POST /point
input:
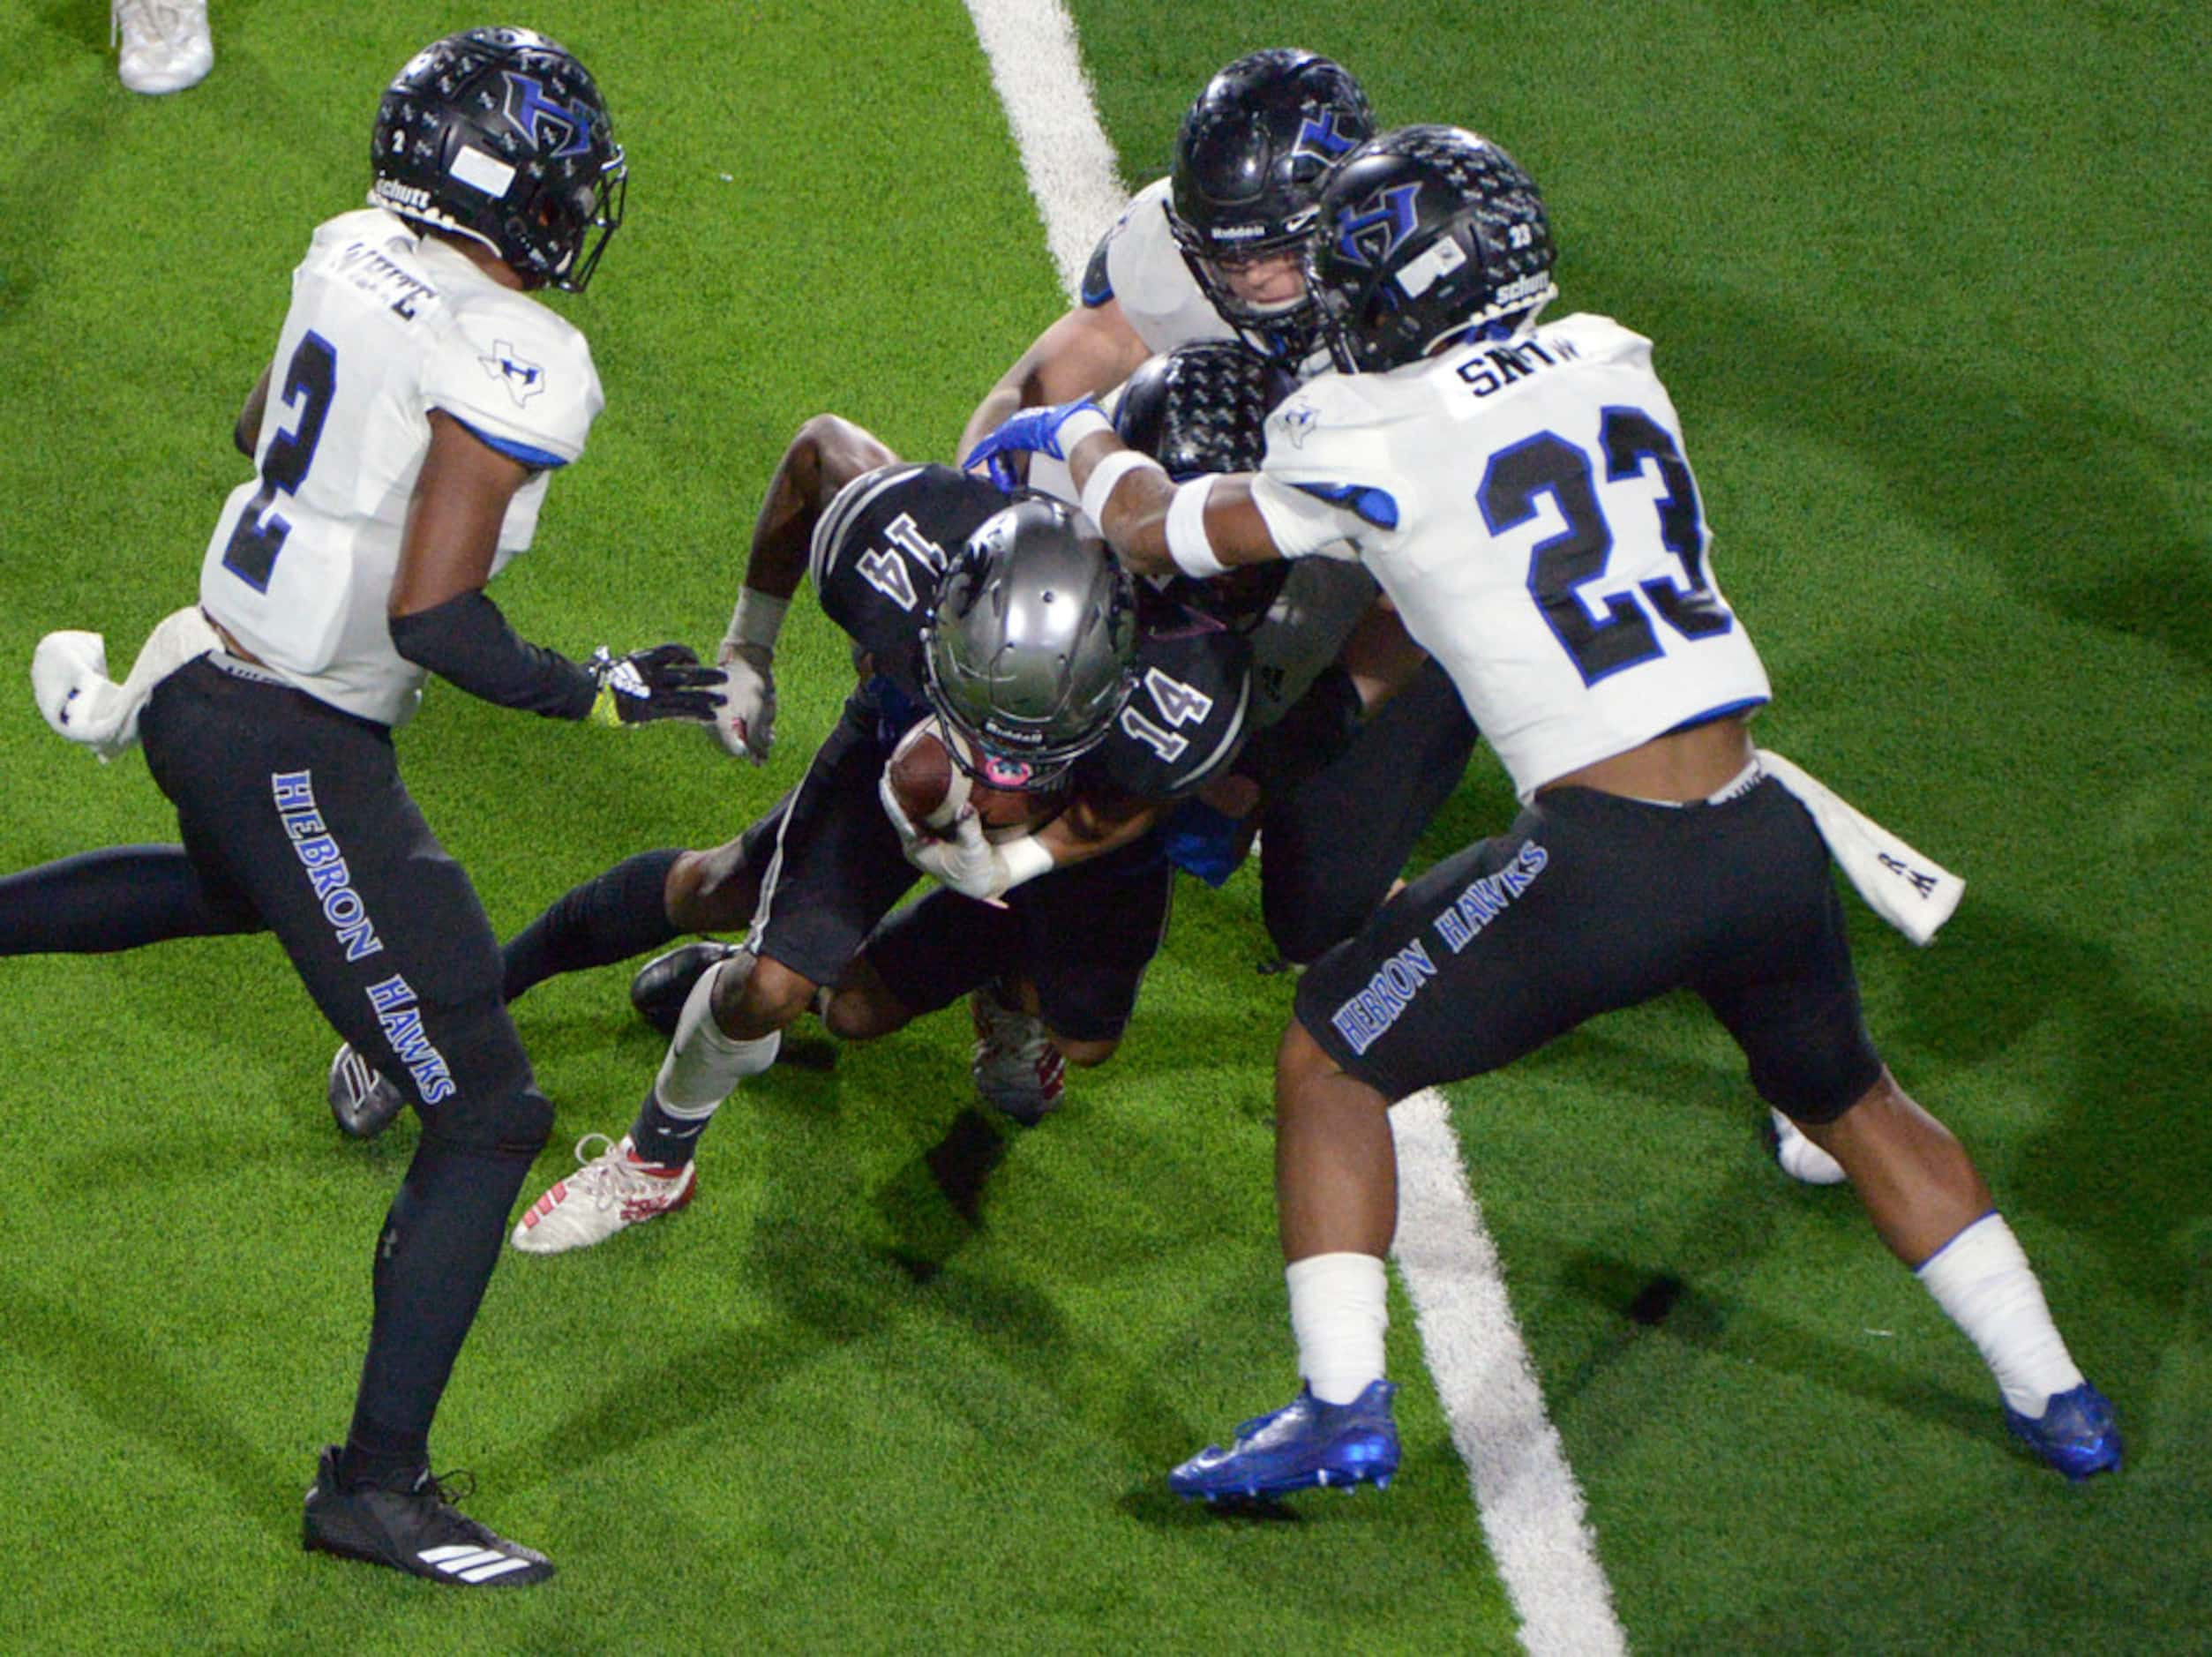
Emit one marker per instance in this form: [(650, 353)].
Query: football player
[(1213, 252), (418, 402), (1023, 639), (1521, 492)]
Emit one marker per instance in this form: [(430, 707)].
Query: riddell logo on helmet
[(1239, 232)]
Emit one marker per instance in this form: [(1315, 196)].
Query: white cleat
[(166, 43), (611, 1190), (1016, 1067), (1801, 1160)]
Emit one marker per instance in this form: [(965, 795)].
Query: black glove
[(666, 682)]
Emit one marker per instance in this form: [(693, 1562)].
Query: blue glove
[(1032, 431)]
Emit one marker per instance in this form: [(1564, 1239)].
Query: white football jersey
[(1144, 270), (1528, 507), (385, 326)]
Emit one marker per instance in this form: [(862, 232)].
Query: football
[(933, 791), (930, 789)]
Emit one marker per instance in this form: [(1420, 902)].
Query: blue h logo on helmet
[(557, 130), (1320, 138), (1389, 211)]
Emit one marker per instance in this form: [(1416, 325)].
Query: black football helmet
[(501, 136), (1202, 408), (1427, 233), (1249, 158), (1031, 645)]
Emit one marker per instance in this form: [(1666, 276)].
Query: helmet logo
[(556, 130), (1370, 236), (1320, 140)]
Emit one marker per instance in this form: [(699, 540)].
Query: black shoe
[(362, 1099), (414, 1527), (664, 984)]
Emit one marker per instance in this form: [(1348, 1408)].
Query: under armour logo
[(1320, 140), (557, 130), (523, 379), (1370, 236)]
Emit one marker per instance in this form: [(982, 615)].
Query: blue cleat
[(2076, 1433), (1304, 1443)]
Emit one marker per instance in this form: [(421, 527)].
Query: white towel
[(1914, 894), (69, 677)]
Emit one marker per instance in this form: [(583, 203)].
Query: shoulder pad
[(516, 374)]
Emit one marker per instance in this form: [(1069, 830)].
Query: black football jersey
[(1185, 718), (880, 551)]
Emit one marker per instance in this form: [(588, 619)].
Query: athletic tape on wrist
[(1023, 858), (1084, 423), (1187, 542), (757, 619), (1107, 474)]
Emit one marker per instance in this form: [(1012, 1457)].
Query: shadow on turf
[(141, 1401)]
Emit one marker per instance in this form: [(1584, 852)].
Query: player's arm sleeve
[(1318, 520), (520, 379)]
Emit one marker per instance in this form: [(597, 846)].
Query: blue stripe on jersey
[(1097, 286), (1710, 714), (1375, 505), (543, 459)]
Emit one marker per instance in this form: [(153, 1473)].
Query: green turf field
[(1927, 285)]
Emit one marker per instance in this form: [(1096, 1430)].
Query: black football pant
[(295, 812)]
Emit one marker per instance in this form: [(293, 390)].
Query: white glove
[(747, 724), (966, 861)]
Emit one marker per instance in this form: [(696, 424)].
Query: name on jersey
[(383, 278), (327, 875), (1496, 366)]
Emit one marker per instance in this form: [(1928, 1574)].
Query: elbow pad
[(468, 642)]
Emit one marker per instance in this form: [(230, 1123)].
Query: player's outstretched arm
[(825, 455), (1085, 353), (442, 620)]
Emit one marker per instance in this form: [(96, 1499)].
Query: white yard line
[(1531, 1506)]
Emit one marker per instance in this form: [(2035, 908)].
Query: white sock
[(1983, 1279), (1339, 1307), (703, 1066)]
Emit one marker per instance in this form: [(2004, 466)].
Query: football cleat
[(361, 1098), (610, 1191), (166, 44), (1016, 1069), (1306, 1442), (1800, 1158), (664, 984), (412, 1526), (2077, 1433)]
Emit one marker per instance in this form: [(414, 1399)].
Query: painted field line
[(1530, 1507)]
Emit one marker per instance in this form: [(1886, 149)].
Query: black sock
[(119, 898), (434, 1256), (660, 1137), (610, 918)]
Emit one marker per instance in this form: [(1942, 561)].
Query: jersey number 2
[(1546, 464), (312, 377)]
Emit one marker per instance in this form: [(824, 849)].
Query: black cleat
[(415, 1528), (664, 984), (361, 1099)]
